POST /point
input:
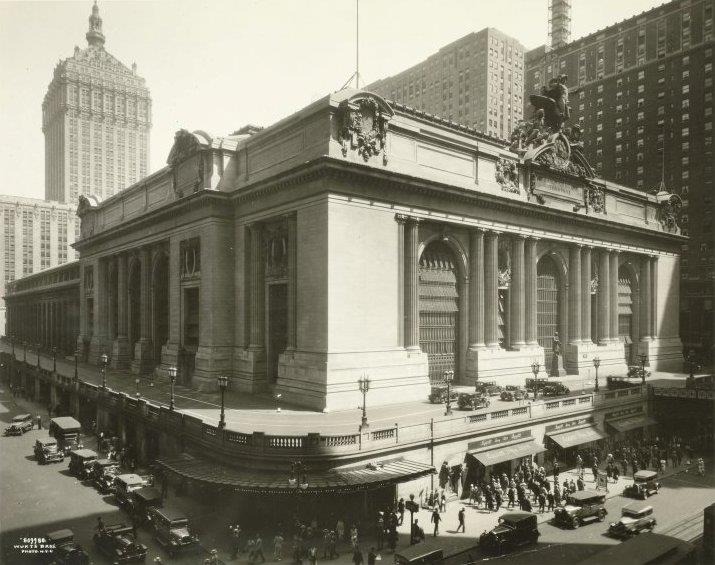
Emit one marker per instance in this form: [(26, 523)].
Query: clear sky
[(217, 65)]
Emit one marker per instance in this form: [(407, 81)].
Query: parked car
[(66, 551), (637, 372), (118, 544), (635, 518), (103, 473), (472, 401), (125, 484), (487, 388), (46, 451), (512, 393), (172, 531), (67, 431), (644, 484), (438, 395), (532, 384), (81, 461), (581, 506), (141, 501), (616, 382), (554, 389), (514, 529), (19, 425)]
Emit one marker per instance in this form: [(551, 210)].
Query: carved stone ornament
[(594, 284), (275, 246), (669, 211), (185, 145), (557, 155), (190, 255), (504, 277), (362, 126), (89, 281), (596, 199), (507, 175)]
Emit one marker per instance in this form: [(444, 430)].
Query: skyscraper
[(477, 81), (96, 117), (642, 90)]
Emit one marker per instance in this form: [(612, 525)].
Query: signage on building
[(562, 426), (558, 189), (498, 440), (624, 412), (668, 392)]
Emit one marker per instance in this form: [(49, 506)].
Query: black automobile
[(19, 425), (66, 551), (472, 401), (172, 531), (487, 388), (554, 389), (581, 507), (47, 451), (644, 484), (118, 544), (616, 382), (514, 529), (141, 501), (635, 518), (535, 384), (81, 461), (103, 473), (512, 393), (438, 395)]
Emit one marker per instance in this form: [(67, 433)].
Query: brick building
[(642, 90), (477, 80)]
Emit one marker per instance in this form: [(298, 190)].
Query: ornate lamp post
[(596, 365), (136, 382), (222, 385), (535, 367), (54, 359), (642, 358), (76, 364), (277, 397), (364, 384), (448, 378), (172, 380), (103, 360)]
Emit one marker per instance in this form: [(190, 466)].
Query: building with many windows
[(642, 92), (96, 117), (477, 81)]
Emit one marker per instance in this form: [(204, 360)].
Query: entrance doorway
[(439, 309), (547, 306), (277, 327)]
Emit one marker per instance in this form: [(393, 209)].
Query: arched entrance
[(626, 312), (134, 310), (547, 305), (439, 309), (160, 304)]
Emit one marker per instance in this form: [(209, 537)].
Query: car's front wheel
[(576, 523), (601, 515)]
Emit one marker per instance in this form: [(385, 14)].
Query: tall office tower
[(642, 90), (559, 22), (477, 81), (96, 117)]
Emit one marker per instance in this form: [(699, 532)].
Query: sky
[(217, 65)]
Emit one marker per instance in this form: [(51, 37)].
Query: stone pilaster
[(98, 344), (491, 290), (586, 294), (476, 289), (517, 311), (653, 296), (575, 294), (412, 298), (257, 305), (120, 345), (614, 295), (142, 361), (530, 276), (291, 341), (604, 297), (645, 303)]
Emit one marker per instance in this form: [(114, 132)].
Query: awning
[(364, 477), (577, 437), (632, 423), (507, 453)]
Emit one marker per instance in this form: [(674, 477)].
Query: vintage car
[(172, 531), (141, 501), (534, 384), (514, 529), (554, 389), (125, 484), (487, 388), (581, 506), (103, 473), (635, 518), (616, 382), (637, 372), (67, 431), (81, 461), (472, 401), (512, 393), (19, 425), (644, 484), (46, 451), (66, 551), (438, 394), (118, 544)]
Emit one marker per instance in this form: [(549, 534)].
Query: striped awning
[(350, 479), (632, 423), (577, 437), (496, 455)]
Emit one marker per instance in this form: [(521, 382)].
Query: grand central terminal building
[(358, 237)]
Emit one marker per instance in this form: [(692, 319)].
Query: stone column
[(604, 297), (120, 345), (79, 338), (142, 348), (491, 290), (401, 219), (412, 292), (111, 299), (653, 296), (644, 296), (476, 289), (99, 337), (575, 294), (586, 294), (257, 304), (614, 296), (531, 297), (516, 294), (291, 340)]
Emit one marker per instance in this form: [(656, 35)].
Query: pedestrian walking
[(357, 556), (580, 485), (333, 544), (100, 524), (443, 503), (594, 470), (371, 556), (277, 547), (550, 500), (460, 517), (313, 555), (436, 519), (542, 502), (380, 529), (401, 510), (340, 529)]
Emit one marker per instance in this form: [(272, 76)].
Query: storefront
[(565, 439), (629, 423), (501, 454)]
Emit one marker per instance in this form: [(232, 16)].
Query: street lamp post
[(54, 359), (172, 380), (596, 365), (413, 507), (643, 358), (364, 384), (277, 397), (448, 378), (222, 385), (136, 382), (535, 367), (103, 360)]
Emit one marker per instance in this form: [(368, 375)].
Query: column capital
[(401, 218), (517, 236), (492, 233), (534, 238), (614, 251), (577, 244)]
